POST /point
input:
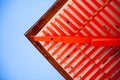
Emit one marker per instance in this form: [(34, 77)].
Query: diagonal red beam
[(101, 61), (80, 62), (117, 75), (77, 56)]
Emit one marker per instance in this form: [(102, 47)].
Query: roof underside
[(80, 18)]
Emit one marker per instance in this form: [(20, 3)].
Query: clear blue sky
[(19, 59)]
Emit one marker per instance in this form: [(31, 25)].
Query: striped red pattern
[(86, 18)]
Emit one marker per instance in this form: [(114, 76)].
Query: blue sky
[(19, 59)]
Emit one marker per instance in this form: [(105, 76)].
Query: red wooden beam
[(97, 41)]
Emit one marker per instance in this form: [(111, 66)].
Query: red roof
[(80, 38)]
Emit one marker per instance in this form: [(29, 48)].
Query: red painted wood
[(116, 76), (77, 56), (101, 61), (106, 42), (80, 62), (81, 8)]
